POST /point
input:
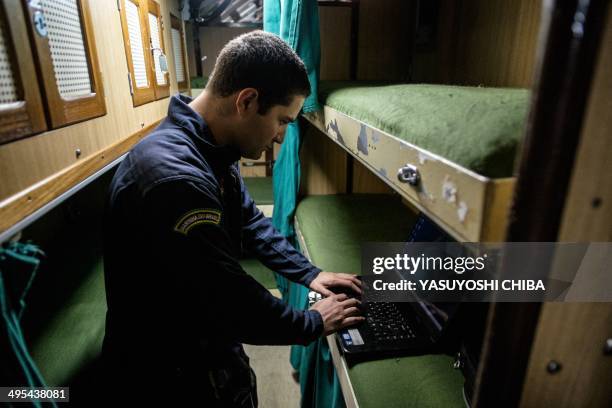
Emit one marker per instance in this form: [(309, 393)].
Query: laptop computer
[(393, 328)]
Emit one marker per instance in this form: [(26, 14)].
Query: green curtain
[(297, 22)]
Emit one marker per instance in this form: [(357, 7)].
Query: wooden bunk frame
[(469, 206)]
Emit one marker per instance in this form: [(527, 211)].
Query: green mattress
[(259, 272), (477, 128), (260, 189), (71, 341), (333, 228)]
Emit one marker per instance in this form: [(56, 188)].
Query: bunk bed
[(328, 234), (448, 150)]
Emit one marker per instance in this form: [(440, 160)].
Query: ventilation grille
[(179, 64), (67, 47), (136, 49)]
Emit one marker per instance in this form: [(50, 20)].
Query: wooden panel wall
[(31, 160), (212, 40), (383, 46), (494, 42), (364, 181), (190, 49), (574, 334), (385, 30), (588, 212), (334, 25), (323, 164)]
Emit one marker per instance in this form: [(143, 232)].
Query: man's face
[(260, 132)]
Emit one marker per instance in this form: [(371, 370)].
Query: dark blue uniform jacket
[(178, 219)]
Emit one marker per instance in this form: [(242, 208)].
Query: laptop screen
[(435, 316)]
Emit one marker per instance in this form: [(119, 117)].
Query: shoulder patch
[(197, 217)]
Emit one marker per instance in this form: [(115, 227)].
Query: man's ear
[(246, 101)]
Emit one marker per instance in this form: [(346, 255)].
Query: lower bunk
[(330, 230)]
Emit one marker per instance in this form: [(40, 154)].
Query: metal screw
[(596, 203), (608, 347), (553, 367), (40, 24), (77, 153), (141, 124)]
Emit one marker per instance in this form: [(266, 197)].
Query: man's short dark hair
[(262, 61)]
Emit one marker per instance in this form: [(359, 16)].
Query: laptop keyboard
[(387, 323)]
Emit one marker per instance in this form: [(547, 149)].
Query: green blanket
[(477, 128)]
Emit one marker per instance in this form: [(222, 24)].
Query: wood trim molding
[(21, 205)]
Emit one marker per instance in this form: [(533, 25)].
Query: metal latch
[(409, 174), (459, 363)]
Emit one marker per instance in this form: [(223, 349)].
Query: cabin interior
[(489, 119)]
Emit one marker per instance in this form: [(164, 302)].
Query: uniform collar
[(194, 125)]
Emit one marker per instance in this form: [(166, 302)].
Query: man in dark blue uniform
[(179, 217)]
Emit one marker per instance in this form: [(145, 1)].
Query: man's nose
[(280, 137)]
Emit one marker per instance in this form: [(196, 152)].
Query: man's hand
[(338, 312), (326, 281)]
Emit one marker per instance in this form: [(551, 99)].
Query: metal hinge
[(119, 5), (130, 82)]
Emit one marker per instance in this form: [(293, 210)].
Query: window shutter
[(21, 109), (178, 51), (66, 53), (156, 35), (136, 42)]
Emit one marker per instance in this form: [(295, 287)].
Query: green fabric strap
[(18, 265)]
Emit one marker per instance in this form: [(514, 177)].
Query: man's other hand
[(327, 282), (338, 312)]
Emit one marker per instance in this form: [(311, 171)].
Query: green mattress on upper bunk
[(477, 128)]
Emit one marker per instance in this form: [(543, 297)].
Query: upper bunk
[(448, 150), (438, 91)]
